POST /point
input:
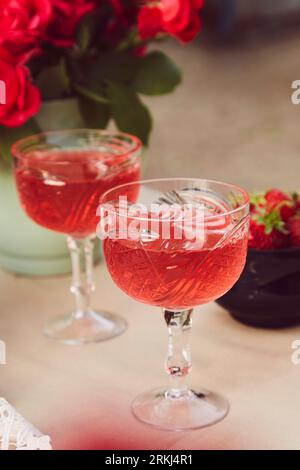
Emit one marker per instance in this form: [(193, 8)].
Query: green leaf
[(118, 67), (53, 81), (91, 76), (258, 199), (84, 32), (94, 95), (50, 57), (8, 136), (95, 115), (157, 75), (90, 29), (129, 113), (87, 29)]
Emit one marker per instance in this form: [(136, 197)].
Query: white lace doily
[(17, 434)]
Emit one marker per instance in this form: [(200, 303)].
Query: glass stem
[(81, 250), (178, 361)]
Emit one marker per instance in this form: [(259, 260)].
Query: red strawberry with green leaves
[(296, 199), (276, 199), (257, 200), (294, 229), (267, 230)]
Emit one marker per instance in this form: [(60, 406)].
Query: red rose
[(192, 29), (120, 18), (179, 18), (117, 6), (22, 24), (149, 22), (22, 98), (66, 17), (198, 4)]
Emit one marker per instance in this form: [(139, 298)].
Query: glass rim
[(18, 152), (158, 180)]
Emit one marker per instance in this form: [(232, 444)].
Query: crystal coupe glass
[(60, 177), (182, 243)]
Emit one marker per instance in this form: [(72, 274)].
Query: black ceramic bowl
[(268, 292)]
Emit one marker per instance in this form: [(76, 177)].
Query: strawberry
[(276, 199), (294, 229), (257, 200), (296, 199), (267, 231)]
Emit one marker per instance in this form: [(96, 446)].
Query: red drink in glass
[(163, 253), (169, 275), (60, 189), (60, 177)]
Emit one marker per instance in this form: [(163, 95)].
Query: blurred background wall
[(233, 118)]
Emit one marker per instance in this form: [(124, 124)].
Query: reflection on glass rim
[(242, 199)]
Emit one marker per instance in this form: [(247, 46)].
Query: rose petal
[(149, 22)]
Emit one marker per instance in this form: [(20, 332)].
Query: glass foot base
[(191, 410), (85, 328)]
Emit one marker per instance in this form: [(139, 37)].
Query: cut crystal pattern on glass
[(180, 257), (60, 177)]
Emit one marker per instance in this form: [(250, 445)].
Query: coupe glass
[(182, 243), (60, 177)]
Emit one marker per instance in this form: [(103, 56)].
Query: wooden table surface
[(81, 396)]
